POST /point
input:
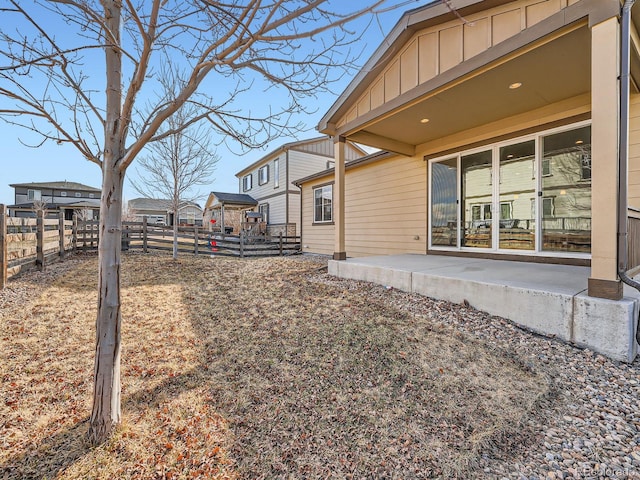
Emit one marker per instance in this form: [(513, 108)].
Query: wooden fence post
[(241, 244), (61, 233), (3, 246), (196, 239), (280, 243), (40, 240), (144, 234), (74, 232), (84, 234)]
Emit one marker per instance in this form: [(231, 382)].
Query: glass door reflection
[(477, 192), (444, 203), (517, 196)]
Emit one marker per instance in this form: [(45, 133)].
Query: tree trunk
[(105, 414), (106, 394), (175, 234)]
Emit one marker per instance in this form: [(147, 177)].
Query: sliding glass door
[(531, 195), (444, 203)]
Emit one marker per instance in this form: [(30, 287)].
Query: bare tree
[(39, 205), (85, 72), (176, 164)]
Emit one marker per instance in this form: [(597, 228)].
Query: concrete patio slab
[(548, 299)]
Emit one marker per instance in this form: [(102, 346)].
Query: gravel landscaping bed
[(590, 431)]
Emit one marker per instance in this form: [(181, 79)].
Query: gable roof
[(438, 13), (371, 158), (297, 145), (63, 185), (235, 198)]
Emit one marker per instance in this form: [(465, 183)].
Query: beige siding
[(277, 208), (315, 238), (294, 211), (381, 217), (261, 191), (634, 151), (303, 164), (442, 47)]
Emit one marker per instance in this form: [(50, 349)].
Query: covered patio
[(545, 298)]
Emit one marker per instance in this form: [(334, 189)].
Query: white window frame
[(78, 195), (247, 182), (263, 175), (538, 202), (92, 195), (322, 188), (276, 173), (63, 194)]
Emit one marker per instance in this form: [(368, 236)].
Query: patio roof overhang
[(552, 61)]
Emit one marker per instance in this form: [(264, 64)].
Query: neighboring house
[(158, 211), (228, 211), (67, 197), (270, 180), (502, 124)]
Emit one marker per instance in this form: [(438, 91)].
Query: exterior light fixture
[(515, 85), (424, 120)]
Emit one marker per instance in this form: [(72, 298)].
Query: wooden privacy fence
[(29, 242), (145, 236)]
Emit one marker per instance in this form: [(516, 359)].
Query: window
[(34, 195), (247, 183), (78, 194), (547, 207), (540, 199), (92, 195), (263, 208), (263, 175), (276, 173), (322, 204), (63, 194)]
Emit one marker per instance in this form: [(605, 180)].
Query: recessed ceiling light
[(510, 155), (424, 120), (515, 85), (579, 142)]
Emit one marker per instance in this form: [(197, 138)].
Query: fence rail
[(32, 242), (36, 242)]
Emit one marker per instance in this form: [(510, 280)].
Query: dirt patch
[(253, 369)]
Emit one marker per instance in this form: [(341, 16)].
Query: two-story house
[(69, 197), (270, 179)]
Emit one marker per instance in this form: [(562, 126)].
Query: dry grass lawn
[(249, 369)]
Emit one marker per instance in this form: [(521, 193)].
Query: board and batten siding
[(437, 49), (385, 210), (634, 151)]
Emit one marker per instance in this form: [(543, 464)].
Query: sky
[(20, 162)]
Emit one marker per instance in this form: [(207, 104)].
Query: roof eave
[(410, 22)]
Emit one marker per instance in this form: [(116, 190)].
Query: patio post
[(604, 281), (339, 252)]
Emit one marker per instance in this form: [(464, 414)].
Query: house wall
[(53, 195), (385, 210), (437, 49), (395, 190)]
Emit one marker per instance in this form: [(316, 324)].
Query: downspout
[(623, 150)]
